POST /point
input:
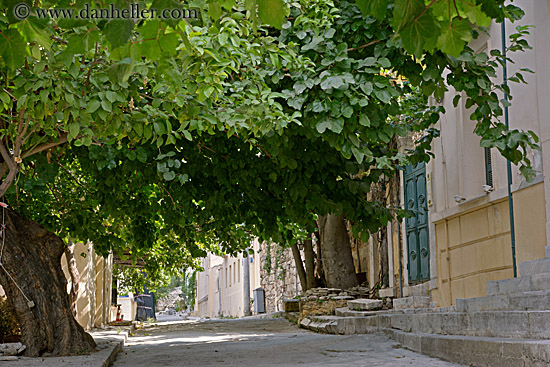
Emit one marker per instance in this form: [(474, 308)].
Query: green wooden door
[(418, 243)]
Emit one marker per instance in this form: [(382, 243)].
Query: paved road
[(262, 342)]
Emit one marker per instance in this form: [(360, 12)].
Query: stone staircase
[(508, 327)]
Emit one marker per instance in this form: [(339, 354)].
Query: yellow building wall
[(474, 246), (93, 303)]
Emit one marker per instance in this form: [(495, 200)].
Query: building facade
[(461, 236), (220, 286)]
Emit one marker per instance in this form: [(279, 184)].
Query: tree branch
[(40, 148), (12, 169), (363, 46)]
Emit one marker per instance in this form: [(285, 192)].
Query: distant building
[(220, 287)]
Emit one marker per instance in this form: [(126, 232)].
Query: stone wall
[(278, 275)]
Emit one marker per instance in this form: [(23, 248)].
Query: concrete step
[(477, 351), (365, 304), (341, 325), (503, 324), (347, 312), (520, 301), (534, 267), (411, 302), (536, 282)]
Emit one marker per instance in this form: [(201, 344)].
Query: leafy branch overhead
[(425, 26), (159, 137)]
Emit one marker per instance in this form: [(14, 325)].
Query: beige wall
[(94, 293), (471, 239), (474, 246), (222, 280)]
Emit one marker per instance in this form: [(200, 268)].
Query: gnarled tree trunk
[(310, 264), (299, 267), (32, 257), (75, 276), (335, 246)]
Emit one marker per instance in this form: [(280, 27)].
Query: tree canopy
[(167, 137)]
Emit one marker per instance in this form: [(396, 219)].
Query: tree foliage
[(166, 138)]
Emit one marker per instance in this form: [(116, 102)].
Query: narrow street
[(261, 342)]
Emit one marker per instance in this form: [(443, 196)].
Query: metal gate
[(418, 243)]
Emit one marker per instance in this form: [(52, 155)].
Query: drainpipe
[(246, 283), (400, 243), (508, 164)]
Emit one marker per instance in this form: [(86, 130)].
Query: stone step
[(341, 325), (411, 302), (536, 282), (503, 324), (477, 351), (534, 267), (365, 304), (520, 301), (347, 312)]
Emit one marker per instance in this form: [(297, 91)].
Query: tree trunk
[(319, 272), (299, 267), (75, 276), (32, 257), (310, 264), (335, 246)]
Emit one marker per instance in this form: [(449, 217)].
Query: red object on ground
[(118, 318)]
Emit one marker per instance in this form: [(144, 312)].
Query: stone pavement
[(261, 342), (109, 343)]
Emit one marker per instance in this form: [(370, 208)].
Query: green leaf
[(271, 12), (405, 11), (336, 125), (111, 96), (376, 8), (364, 120), (106, 106), (477, 16), (187, 135), (93, 106), (74, 129), (13, 48), (169, 176), (118, 31), (34, 31), (454, 37), (420, 34), (169, 42)]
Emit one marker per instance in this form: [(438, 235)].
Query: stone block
[(536, 300), (401, 322), (509, 324), (490, 303), (387, 292), (547, 251), (539, 324), (365, 304), (477, 324), (492, 287), (540, 282), (291, 305), (534, 267), (515, 285), (411, 302)]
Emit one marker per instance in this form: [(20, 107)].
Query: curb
[(112, 356)]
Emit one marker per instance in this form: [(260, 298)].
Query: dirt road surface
[(261, 342)]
